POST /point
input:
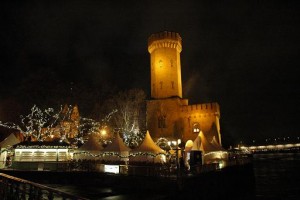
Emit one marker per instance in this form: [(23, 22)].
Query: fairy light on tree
[(129, 121), (163, 143), (48, 125), (32, 124), (133, 138), (90, 126), (41, 124)]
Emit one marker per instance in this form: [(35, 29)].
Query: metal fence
[(12, 188), (144, 169)]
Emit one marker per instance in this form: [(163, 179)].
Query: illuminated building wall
[(73, 123), (168, 114), (69, 122)]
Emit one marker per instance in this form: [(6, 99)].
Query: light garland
[(33, 123), (41, 124), (118, 154), (3, 150), (41, 147)]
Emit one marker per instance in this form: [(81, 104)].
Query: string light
[(42, 147), (42, 124), (117, 154)]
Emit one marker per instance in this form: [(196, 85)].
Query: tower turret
[(164, 49)]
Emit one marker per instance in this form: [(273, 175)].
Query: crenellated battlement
[(165, 39), (206, 107)]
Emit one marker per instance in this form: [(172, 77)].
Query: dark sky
[(241, 54)]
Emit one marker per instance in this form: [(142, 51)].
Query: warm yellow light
[(179, 141), (189, 144), (103, 132), (290, 145), (163, 158), (221, 165)]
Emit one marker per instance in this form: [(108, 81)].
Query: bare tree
[(32, 124), (130, 118)]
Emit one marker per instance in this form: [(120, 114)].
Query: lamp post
[(178, 163), (175, 145), (177, 158), (103, 132)]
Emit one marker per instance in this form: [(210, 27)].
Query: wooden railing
[(19, 189)]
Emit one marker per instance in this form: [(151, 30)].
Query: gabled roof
[(148, 145), (117, 145)]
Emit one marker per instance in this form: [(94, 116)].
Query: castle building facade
[(169, 115), (66, 126)]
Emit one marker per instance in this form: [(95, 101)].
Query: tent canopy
[(117, 145), (148, 145), (216, 145), (91, 145), (202, 144), (9, 141), (197, 144), (189, 145)]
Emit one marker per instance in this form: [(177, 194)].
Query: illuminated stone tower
[(168, 114), (164, 49)]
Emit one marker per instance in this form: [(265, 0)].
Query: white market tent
[(202, 144), (148, 151), (197, 144), (37, 151), (9, 141), (117, 150), (89, 150), (211, 151), (216, 144), (220, 154), (189, 145)]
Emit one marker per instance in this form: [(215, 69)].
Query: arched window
[(161, 84), (196, 127)]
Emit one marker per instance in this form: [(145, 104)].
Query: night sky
[(241, 54)]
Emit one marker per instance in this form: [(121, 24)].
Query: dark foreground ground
[(236, 182)]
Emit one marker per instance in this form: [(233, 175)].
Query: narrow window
[(162, 121), (172, 83), (160, 63)]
